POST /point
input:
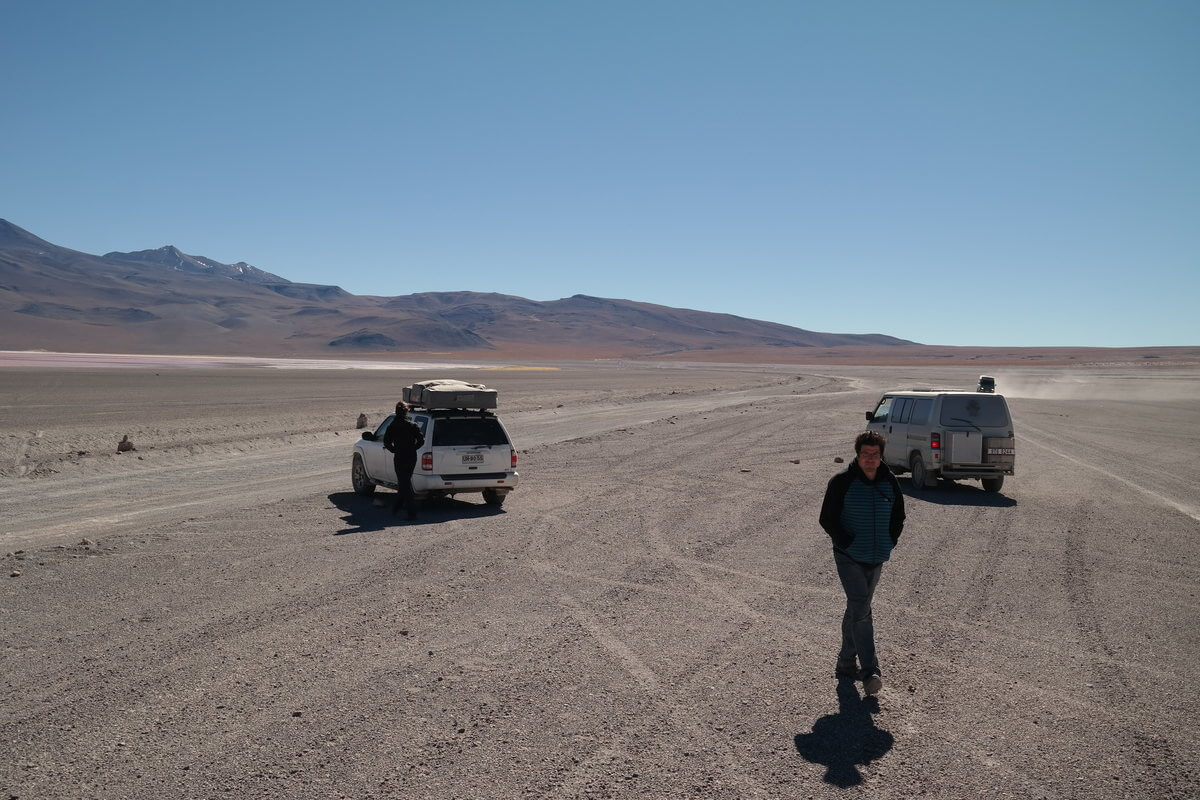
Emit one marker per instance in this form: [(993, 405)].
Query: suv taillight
[(935, 441), (514, 458), (427, 462)]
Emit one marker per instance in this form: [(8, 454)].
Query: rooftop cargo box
[(449, 394)]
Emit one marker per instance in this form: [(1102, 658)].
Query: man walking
[(404, 438), (863, 514)]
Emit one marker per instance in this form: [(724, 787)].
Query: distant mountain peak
[(172, 257), (14, 235)]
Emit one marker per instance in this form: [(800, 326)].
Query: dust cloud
[(1134, 386)]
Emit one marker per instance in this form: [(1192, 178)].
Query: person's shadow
[(367, 514), (847, 739), (361, 513)]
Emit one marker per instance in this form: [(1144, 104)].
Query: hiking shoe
[(846, 670), (872, 683)]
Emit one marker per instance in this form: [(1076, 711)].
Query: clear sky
[(1017, 172)]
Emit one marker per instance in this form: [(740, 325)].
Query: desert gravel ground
[(653, 613)]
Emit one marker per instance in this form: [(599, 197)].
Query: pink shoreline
[(36, 358)]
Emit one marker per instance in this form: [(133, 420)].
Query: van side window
[(383, 426), (423, 424), (902, 409), (920, 413), (883, 409)]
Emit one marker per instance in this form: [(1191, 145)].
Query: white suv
[(464, 452)]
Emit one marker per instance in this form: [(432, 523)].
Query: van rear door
[(977, 423)]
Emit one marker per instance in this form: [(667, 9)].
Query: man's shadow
[(847, 739)]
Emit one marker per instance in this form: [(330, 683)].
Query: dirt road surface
[(653, 613)]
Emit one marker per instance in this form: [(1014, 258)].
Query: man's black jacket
[(878, 519), (403, 437)]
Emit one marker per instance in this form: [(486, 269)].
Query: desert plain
[(653, 613)]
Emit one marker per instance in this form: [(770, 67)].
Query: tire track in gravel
[(700, 588), (1011, 640), (1182, 507), (112, 521), (981, 581), (697, 673), (210, 757), (929, 586), (23, 451), (1112, 678), (643, 529), (983, 574), (106, 504), (667, 699), (1078, 581), (266, 614), (366, 685)]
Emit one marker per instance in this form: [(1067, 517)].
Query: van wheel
[(920, 478), (358, 477), (494, 498), (992, 484)]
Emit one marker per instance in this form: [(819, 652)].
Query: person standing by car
[(404, 438), (863, 513)]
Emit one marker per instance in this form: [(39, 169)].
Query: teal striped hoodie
[(864, 518)]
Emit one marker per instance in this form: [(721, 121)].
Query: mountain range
[(166, 301)]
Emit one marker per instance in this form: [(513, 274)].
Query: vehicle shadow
[(949, 493), (846, 740), (374, 513)]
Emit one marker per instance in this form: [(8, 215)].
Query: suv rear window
[(456, 431), (982, 410)]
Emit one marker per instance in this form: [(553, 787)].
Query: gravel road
[(653, 613)]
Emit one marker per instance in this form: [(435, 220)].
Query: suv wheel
[(358, 476), (920, 477), (493, 497), (992, 484)]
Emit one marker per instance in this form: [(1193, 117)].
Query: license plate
[(473, 458), (1002, 451)]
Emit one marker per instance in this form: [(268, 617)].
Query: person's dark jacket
[(404, 438), (864, 518)]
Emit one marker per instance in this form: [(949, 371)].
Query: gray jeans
[(858, 629)]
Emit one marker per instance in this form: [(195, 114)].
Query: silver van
[(951, 435)]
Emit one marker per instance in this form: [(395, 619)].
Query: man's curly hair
[(870, 439)]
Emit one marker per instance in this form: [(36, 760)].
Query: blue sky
[(982, 173)]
